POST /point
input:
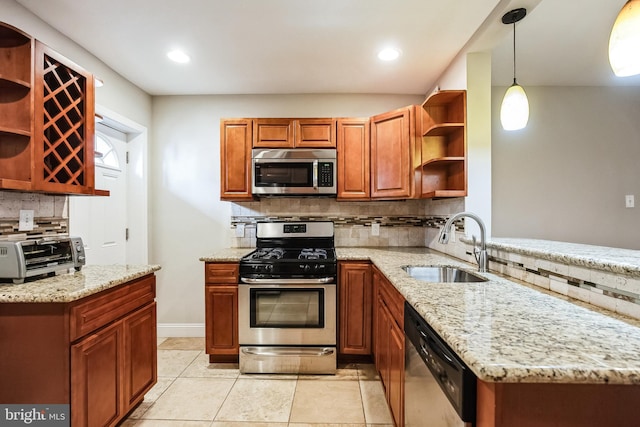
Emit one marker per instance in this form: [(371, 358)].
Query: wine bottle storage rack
[(64, 121)]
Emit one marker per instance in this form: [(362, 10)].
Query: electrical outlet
[(629, 200), (375, 229), (26, 220), (240, 230)]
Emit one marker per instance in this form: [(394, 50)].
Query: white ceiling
[(330, 46)]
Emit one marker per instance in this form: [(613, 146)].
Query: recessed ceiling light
[(389, 54), (178, 56)]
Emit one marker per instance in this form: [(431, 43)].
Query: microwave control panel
[(325, 174)]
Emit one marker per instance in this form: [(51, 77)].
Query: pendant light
[(514, 112), (624, 43)]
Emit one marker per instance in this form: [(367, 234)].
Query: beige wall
[(118, 94), (564, 177), (188, 218)]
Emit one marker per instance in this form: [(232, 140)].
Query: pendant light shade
[(514, 112), (624, 43)]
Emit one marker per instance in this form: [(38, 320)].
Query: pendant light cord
[(514, 53)]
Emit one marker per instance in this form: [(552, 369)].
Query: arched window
[(105, 152)]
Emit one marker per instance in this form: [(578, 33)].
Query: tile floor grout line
[(235, 381)]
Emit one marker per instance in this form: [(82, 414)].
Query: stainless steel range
[(287, 300)]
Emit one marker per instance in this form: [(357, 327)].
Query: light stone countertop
[(507, 331), (616, 260), (69, 287)]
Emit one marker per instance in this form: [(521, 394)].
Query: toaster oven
[(23, 259)]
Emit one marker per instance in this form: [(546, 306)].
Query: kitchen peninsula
[(541, 358), (85, 339)]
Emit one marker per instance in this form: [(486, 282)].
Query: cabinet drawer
[(92, 314), (221, 273), (393, 299)]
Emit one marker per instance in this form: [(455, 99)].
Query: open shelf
[(440, 161), (444, 149), (8, 83), (443, 129)]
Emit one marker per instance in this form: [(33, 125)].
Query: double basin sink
[(442, 274)]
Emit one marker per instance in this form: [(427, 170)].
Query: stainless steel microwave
[(295, 171)]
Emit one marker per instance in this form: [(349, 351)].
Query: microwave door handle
[(315, 174)]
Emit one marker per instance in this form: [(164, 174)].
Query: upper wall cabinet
[(235, 159), (47, 119), (353, 159), (290, 133), (16, 100), (444, 148), (395, 154)]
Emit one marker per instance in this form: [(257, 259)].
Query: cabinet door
[(395, 388), (221, 317), (96, 386), (315, 133), (353, 159), (64, 122), (382, 341), (273, 133), (140, 354), (391, 154), (355, 299), (235, 159)]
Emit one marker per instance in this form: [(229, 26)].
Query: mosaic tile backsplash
[(402, 223), (51, 214)]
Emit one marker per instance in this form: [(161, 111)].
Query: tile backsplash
[(51, 213), (402, 223)]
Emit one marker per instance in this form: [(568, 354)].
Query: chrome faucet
[(480, 254)]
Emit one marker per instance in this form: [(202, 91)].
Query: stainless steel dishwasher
[(439, 389)]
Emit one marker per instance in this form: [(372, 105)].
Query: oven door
[(296, 314)]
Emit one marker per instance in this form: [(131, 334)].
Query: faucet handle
[(443, 237)]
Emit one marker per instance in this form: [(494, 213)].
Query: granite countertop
[(69, 287), (505, 330), (616, 260)]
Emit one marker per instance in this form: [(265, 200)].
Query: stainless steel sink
[(442, 274)]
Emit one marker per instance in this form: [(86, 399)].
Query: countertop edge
[(66, 288)]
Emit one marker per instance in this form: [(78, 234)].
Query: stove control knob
[(269, 268), (306, 268)]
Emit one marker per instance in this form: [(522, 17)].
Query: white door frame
[(137, 245)]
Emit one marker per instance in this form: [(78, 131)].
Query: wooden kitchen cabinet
[(315, 133), (545, 404), (16, 103), (97, 354), (355, 299), (46, 119), (273, 133), (221, 311), (298, 133), (235, 159), (444, 148), (389, 343), (353, 152), (395, 154)]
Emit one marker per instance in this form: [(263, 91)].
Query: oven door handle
[(288, 351), (318, 281)]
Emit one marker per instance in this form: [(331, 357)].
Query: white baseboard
[(191, 330)]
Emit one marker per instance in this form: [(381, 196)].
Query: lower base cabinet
[(389, 343), (221, 312), (113, 368), (355, 305), (97, 354)]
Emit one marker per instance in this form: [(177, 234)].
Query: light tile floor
[(191, 392)]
